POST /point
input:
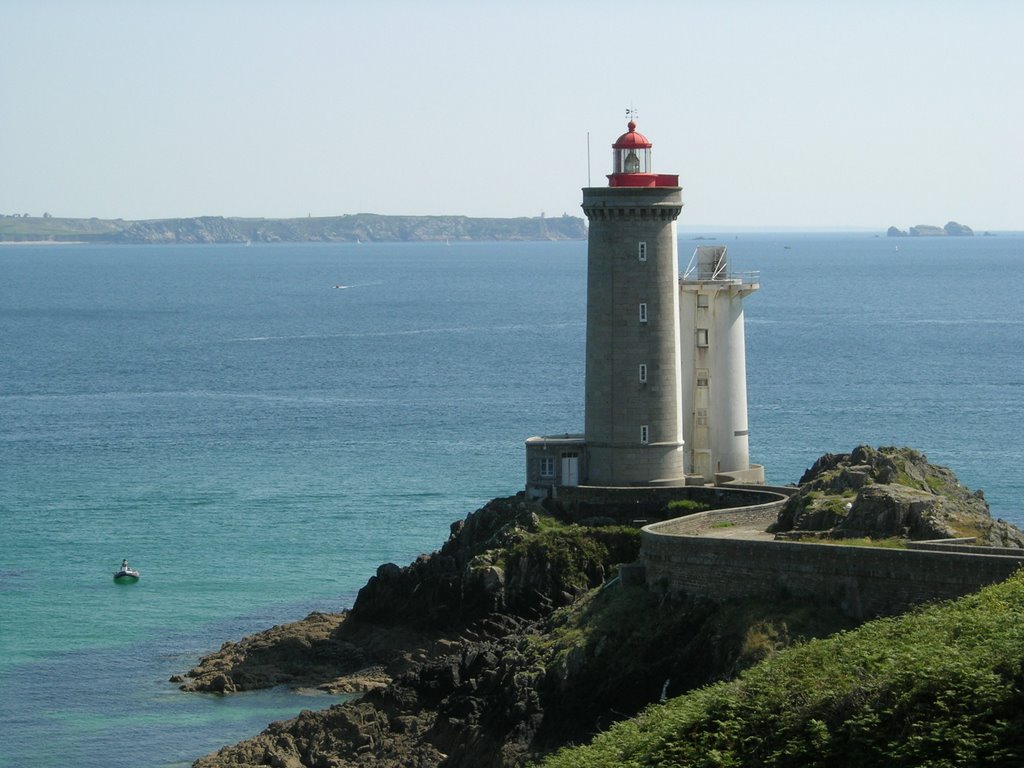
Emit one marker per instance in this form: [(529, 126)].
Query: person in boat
[(124, 565)]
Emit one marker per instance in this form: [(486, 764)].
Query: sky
[(789, 113)]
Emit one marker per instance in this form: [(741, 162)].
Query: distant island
[(351, 228), (952, 229)]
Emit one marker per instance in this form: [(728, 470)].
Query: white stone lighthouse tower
[(633, 415)]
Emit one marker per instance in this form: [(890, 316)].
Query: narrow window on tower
[(643, 373), (642, 251), (702, 337), (643, 312), (702, 300), (643, 434)]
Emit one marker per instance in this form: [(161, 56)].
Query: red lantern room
[(631, 161)]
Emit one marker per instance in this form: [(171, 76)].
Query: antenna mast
[(588, 158)]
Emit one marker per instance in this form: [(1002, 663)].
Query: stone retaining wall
[(629, 504), (861, 581)]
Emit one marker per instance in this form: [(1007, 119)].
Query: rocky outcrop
[(509, 642), (957, 230), (497, 569), (891, 492), (322, 650), (952, 229)]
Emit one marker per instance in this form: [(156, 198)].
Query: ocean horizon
[(257, 429)]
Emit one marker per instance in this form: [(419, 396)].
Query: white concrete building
[(714, 380)]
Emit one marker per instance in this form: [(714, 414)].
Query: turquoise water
[(256, 439)]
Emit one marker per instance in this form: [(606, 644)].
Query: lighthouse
[(633, 418), (665, 392)]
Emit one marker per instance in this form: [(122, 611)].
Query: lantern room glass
[(632, 160)]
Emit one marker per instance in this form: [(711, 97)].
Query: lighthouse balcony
[(643, 180), (735, 284), (709, 266)]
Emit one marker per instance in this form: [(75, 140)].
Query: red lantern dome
[(632, 139), (631, 162)]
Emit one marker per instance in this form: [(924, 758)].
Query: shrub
[(942, 686)]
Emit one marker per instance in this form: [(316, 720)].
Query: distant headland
[(351, 228), (952, 229)]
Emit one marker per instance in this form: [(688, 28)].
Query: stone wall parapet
[(861, 581)]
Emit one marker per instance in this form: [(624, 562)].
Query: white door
[(570, 469)]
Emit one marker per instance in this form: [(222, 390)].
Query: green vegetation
[(48, 228), (891, 542), (942, 686), (602, 617), (681, 507), (572, 550), (969, 529)]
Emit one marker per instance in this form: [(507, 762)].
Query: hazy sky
[(860, 114)]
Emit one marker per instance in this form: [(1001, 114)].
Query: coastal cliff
[(516, 638), (361, 227)]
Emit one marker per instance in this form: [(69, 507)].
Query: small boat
[(126, 574)]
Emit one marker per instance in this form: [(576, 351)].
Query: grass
[(595, 617), (571, 551), (687, 506), (892, 542), (941, 687)]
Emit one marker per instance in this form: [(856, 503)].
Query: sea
[(258, 428)]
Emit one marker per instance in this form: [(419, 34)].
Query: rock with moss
[(509, 642), (509, 557), (501, 564), (891, 492)]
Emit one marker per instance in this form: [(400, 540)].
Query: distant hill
[(360, 227)]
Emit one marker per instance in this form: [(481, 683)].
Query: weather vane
[(631, 113)]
